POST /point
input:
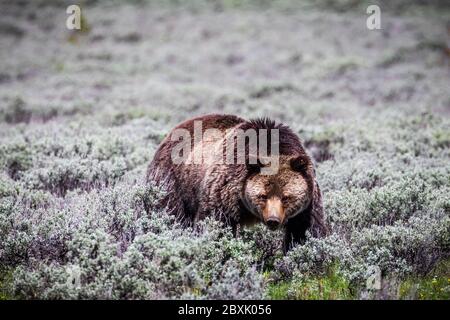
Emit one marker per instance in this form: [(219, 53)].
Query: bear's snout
[(273, 223), (273, 213)]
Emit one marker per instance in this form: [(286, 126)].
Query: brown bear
[(198, 181)]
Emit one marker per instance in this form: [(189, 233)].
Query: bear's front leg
[(295, 231)]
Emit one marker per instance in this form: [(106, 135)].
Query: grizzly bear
[(239, 192)]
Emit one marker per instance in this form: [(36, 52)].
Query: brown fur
[(237, 193)]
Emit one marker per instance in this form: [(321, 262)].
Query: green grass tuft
[(5, 281), (435, 286), (331, 286)]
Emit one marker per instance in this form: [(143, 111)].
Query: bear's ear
[(299, 164)]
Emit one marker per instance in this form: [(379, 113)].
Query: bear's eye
[(262, 197), (286, 198)]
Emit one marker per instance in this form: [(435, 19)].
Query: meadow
[(82, 113)]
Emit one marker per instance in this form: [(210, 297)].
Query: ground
[(81, 114)]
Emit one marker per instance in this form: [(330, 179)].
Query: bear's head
[(276, 198)]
